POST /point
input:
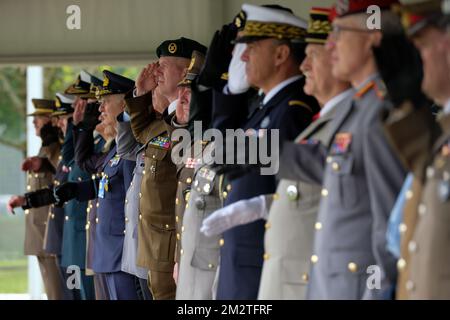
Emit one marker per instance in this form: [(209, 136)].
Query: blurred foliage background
[(13, 264)]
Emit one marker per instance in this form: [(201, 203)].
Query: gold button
[(188, 180), (422, 209), (140, 217), (177, 219), (86, 226), (60, 158), (266, 256), (28, 187), (27, 211), (80, 179), (335, 166), (131, 183), (177, 201), (229, 187), (126, 200), (97, 204), (187, 195), (329, 159), (276, 196), (126, 219), (124, 231), (88, 209), (412, 246), (224, 194), (66, 217), (221, 242), (410, 285), (324, 192), (143, 172), (182, 228), (409, 194), (53, 216), (96, 220), (93, 177), (36, 175), (153, 156), (305, 277), (353, 267), (167, 226), (402, 228), (314, 258), (178, 236), (140, 195), (318, 226), (55, 181), (267, 226), (210, 266), (181, 251), (401, 264)]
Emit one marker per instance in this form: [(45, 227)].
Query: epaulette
[(299, 103)]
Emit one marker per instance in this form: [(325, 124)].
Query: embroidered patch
[(114, 161)]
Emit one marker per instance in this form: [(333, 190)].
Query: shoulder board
[(299, 103), (361, 92)]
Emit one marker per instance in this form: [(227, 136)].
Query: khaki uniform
[(413, 135), (425, 257), (36, 221), (290, 229), (156, 228)]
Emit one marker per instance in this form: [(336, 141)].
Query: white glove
[(238, 213), (237, 78)]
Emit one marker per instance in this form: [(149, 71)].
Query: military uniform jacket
[(413, 134), (127, 148), (290, 227), (55, 220), (361, 178), (36, 218), (110, 223), (199, 257), (241, 257), (156, 228), (423, 144)]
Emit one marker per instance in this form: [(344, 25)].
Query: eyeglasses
[(337, 30)]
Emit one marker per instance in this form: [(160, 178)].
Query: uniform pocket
[(162, 239), (341, 168), (205, 259), (294, 278)]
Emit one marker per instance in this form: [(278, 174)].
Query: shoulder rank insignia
[(366, 88), (161, 142), (341, 143), (299, 103)]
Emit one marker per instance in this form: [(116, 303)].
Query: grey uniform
[(361, 178), (289, 235), (199, 257), (129, 149)]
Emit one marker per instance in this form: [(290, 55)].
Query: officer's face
[(169, 72), (432, 44), (261, 58), (39, 122), (111, 106), (62, 123), (350, 50), (317, 70)]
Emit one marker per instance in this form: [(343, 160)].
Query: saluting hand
[(32, 164), (146, 80), (79, 109)]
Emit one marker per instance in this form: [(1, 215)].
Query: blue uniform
[(241, 256)]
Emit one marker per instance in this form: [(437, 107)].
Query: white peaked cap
[(65, 98), (265, 14)]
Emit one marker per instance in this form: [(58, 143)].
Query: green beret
[(182, 48)]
